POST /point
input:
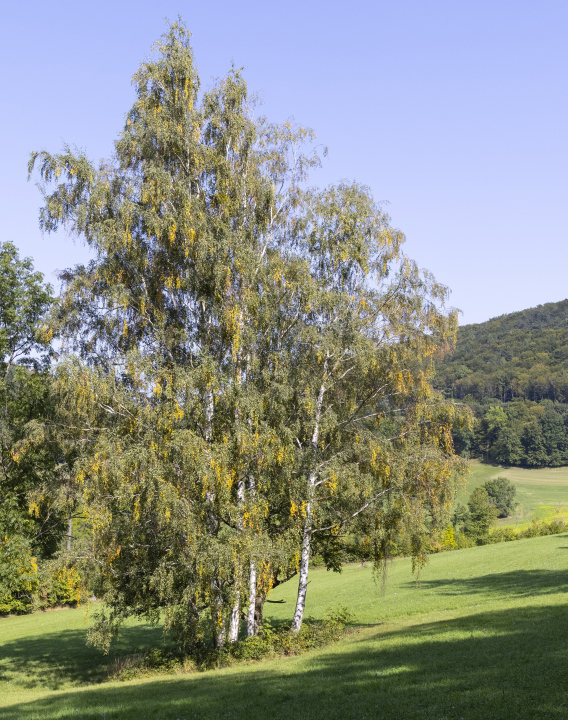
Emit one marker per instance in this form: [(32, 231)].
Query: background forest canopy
[(244, 378), (513, 372)]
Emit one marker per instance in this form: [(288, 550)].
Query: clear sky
[(455, 112)]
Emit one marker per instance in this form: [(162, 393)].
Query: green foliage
[(460, 516), (507, 533), (448, 539), (24, 300), (59, 582), (476, 520), (538, 528), (18, 574), (517, 356), (26, 585), (501, 494), (30, 519), (252, 359), (482, 514), (503, 534), (512, 371), (274, 641)]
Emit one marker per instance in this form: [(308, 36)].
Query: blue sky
[(455, 113)]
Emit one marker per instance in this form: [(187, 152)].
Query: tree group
[(245, 363), (511, 371)]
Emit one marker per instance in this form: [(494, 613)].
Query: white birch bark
[(209, 408), (234, 623), (235, 620), (307, 536), (251, 625), (304, 566), (217, 614)]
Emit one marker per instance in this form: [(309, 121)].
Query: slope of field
[(481, 636), (541, 493)]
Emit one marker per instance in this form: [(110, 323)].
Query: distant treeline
[(513, 372)]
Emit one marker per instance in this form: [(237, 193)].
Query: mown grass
[(542, 493), (481, 636)]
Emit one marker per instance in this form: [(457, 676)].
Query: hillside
[(513, 372), (480, 636), (523, 355)]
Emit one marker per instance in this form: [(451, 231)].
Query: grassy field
[(481, 636), (541, 493)]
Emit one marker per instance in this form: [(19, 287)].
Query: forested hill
[(522, 355), (513, 372)]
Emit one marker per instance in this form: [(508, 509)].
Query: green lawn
[(541, 493), (482, 636)]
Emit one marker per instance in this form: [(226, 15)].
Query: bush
[(18, 577), (482, 515), (502, 534), (448, 539), (508, 533), (60, 583), (273, 642), (538, 528), (464, 541)]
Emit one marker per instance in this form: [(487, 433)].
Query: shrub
[(60, 583), (502, 534), (482, 515), (538, 528), (273, 642), (448, 539), (18, 577), (463, 541)]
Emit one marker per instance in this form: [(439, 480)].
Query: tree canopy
[(512, 372), (249, 358), (26, 466), (501, 492), (519, 356)]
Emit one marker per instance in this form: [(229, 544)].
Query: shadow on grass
[(56, 659), (517, 583), (505, 665)]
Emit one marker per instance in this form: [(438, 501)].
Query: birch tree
[(365, 439), (238, 351), (161, 337)]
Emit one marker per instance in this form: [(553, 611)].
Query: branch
[(357, 512)]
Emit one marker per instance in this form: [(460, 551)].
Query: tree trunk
[(307, 538), (304, 567), (69, 532), (252, 624), (217, 616), (218, 627), (258, 612), (235, 622)]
